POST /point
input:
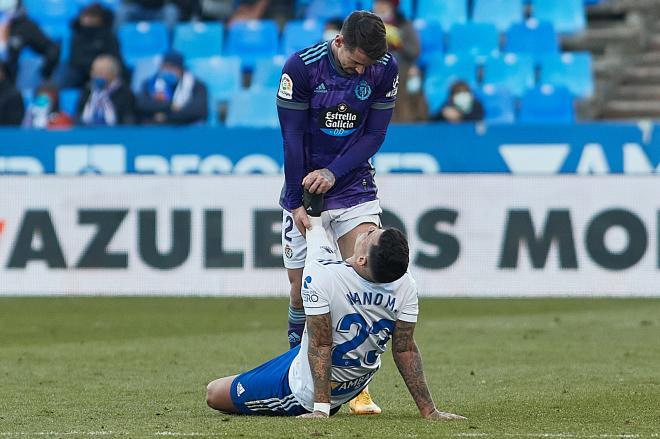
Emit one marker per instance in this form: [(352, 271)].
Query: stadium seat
[(447, 12), (143, 39), (51, 11), (533, 37), (431, 38), (572, 70), (222, 75), (198, 40), (547, 104), (69, 100), (324, 10), (299, 34), (144, 69), (29, 70), (251, 40), (441, 74), (478, 40), (499, 105), (267, 72), (253, 108), (501, 13), (515, 72), (567, 16)]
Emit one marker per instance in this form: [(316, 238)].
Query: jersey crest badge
[(362, 90), (286, 87)]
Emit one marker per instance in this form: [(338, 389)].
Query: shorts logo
[(288, 251), (328, 249), (362, 90), (239, 389), (307, 281), (339, 121), (286, 87)]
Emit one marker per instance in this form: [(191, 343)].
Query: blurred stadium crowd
[(114, 62)]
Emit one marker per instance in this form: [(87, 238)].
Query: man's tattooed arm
[(319, 329)]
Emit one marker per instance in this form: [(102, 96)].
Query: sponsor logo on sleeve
[(395, 88), (286, 87)]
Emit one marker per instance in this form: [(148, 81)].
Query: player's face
[(366, 240), (353, 62)]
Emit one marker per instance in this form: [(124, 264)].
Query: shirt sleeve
[(294, 92), (315, 292), (410, 310), (386, 90)]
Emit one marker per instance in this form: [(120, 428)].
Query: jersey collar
[(334, 63)]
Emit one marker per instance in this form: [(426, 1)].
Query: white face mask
[(7, 6), (414, 84), (463, 100), (327, 35)]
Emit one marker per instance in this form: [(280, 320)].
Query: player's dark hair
[(388, 260), (366, 31)]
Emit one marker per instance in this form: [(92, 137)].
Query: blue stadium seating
[(143, 39), (144, 69), (533, 37), (324, 10), (567, 16), (441, 74), (478, 40), (198, 40), (253, 108), (447, 12), (252, 40), (51, 11), (499, 105), (547, 104), (267, 72), (431, 38), (572, 70), (515, 72), (222, 75), (298, 34), (69, 100), (501, 13)]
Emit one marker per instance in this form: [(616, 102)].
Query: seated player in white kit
[(353, 307)]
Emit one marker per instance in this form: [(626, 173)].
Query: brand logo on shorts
[(288, 251), (307, 281), (328, 249), (239, 389)]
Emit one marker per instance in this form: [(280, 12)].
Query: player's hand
[(319, 181), (437, 415), (314, 415), (301, 220)]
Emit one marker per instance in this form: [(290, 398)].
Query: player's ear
[(361, 260), (339, 40)]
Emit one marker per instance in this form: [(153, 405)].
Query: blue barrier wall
[(595, 148)]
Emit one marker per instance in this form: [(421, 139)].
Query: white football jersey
[(363, 317)]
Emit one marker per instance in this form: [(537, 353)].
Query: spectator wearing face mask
[(173, 96), (17, 32), (92, 36), (44, 111), (461, 105), (107, 100), (11, 101), (403, 43)]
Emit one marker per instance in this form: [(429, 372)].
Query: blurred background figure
[(173, 96), (148, 10), (44, 110), (92, 35), (332, 28), (107, 100), (278, 10), (17, 32), (461, 105), (221, 10), (403, 43), (11, 101)]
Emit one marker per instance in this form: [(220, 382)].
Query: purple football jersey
[(338, 106)]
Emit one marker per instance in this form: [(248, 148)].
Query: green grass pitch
[(137, 367)]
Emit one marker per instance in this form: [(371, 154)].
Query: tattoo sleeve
[(409, 362), (319, 354)]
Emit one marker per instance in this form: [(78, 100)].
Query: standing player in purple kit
[(335, 102)]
